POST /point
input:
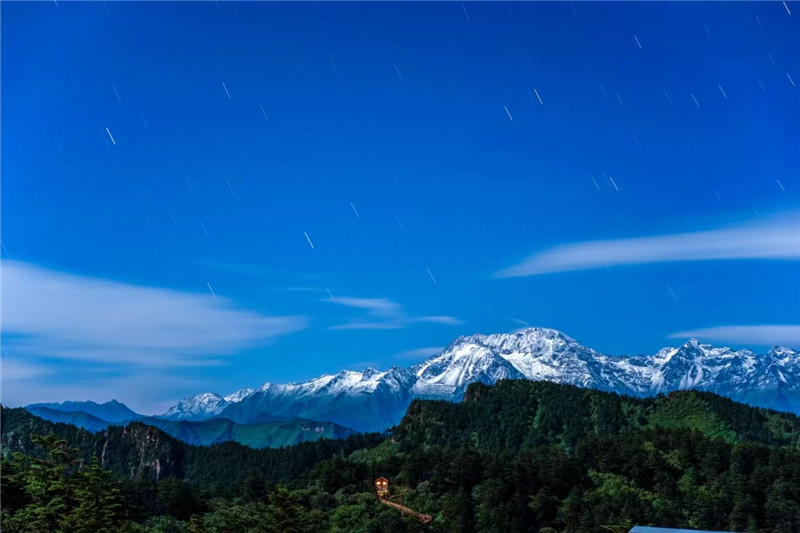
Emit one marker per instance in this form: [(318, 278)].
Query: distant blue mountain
[(76, 418), (112, 411), (202, 433)]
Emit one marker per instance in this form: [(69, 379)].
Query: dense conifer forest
[(516, 456)]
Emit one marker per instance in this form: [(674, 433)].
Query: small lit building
[(382, 487)]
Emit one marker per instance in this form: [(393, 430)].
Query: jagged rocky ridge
[(374, 400)]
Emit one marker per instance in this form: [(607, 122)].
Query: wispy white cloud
[(776, 238), (17, 370), (146, 391), (382, 313), (65, 316), (362, 324), (419, 354), (376, 306), (761, 334), (438, 319)]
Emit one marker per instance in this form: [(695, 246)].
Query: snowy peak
[(370, 381), (696, 365), (783, 353), (534, 353), (346, 381), (204, 405), (196, 407), (239, 395), (531, 340), (782, 364), (464, 362)]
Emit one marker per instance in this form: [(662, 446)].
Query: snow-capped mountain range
[(372, 400)]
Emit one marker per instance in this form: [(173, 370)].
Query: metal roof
[(648, 529)]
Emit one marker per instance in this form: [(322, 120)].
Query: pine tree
[(98, 501), (46, 485)]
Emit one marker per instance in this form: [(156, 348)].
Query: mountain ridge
[(770, 380), (210, 431), (110, 411), (373, 400), (273, 434)]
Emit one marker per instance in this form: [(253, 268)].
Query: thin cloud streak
[(420, 354), (60, 315), (148, 392), (382, 313), (761, 334), (378, 306), (438, 319), (368, 325), (776, 239), (15, 369)]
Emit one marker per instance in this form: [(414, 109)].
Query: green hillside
[(146, 453), (514, 415), (516, 456)]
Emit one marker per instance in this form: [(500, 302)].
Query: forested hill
[(507, 417), (142, 452), (516, 414), (516, 456)]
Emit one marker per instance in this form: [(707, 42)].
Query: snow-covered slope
[(367, 400), (197, 407), (374, 400), (239, 395), (205, 405), (447, 375)]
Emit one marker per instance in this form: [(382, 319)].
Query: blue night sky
[(208, 196)]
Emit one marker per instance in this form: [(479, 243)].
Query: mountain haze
[(210, 431), (111, 411)]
